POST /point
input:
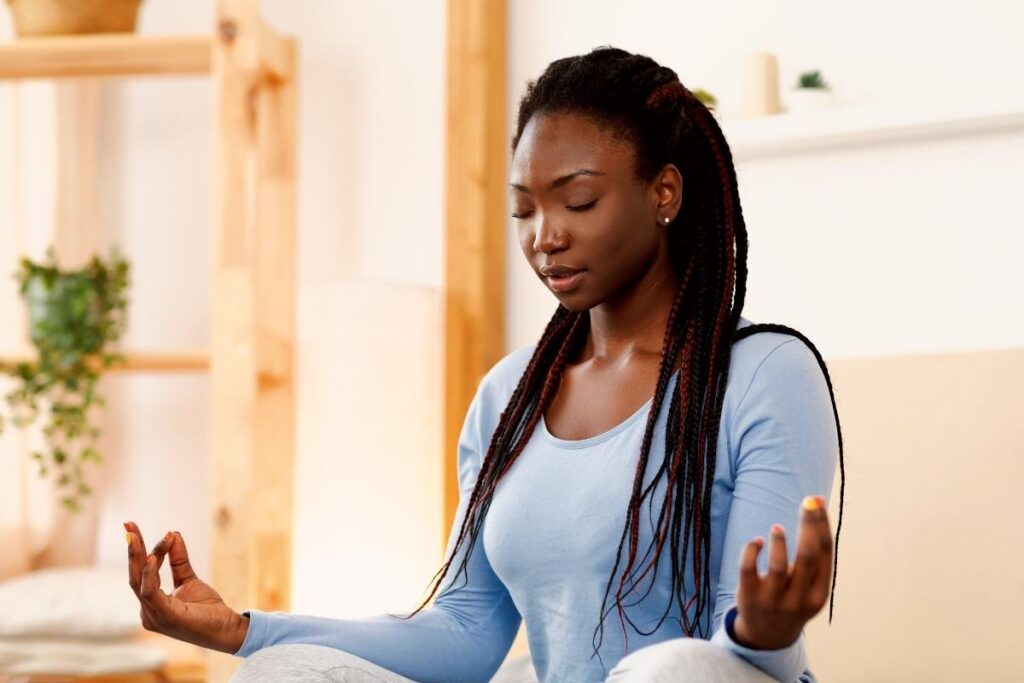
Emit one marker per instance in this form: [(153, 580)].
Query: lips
[(558, 270), (566, 282)]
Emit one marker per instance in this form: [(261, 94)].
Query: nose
[(548, 238)]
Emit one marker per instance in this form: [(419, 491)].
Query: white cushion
[(76, 657), (69, 602)]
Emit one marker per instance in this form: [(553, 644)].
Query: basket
[(60, 17)]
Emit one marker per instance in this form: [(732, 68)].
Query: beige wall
[(931, 575)]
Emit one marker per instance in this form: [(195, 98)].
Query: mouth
[(564, 283)]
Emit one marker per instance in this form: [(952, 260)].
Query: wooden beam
[(275, 270), (197, 360), (277, 54), (475, 208), (110, 54), (233, 372)]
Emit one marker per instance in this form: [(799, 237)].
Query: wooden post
[(252, 420), (475, 206), (276, 293)]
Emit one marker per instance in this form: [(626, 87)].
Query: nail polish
[(812, 503)]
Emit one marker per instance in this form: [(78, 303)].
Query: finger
[(136, 557), (161, 548), (808, 553), (134, 528), (181, 567), (778, 562), (750, 582), (820, 583)]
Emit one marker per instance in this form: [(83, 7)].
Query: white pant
[(680, 660)]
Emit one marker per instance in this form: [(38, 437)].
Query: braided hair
[(646, 104)]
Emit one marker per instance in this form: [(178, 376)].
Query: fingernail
[(813, 503), (128, 536), (777, 529), (126, 527)]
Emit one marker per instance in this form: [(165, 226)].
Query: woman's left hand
[(772, 609)]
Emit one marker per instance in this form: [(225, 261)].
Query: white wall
[(368, 524), (909, 248)]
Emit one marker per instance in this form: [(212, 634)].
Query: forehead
[(554, 144)]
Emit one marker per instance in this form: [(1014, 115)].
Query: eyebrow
[(560, 181)]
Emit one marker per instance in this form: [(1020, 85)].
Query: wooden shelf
[(273, 358), (850, 127), (130, 54), (196, 360), (110, 54)]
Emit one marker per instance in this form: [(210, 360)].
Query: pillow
[(79, 657), (69, 602)]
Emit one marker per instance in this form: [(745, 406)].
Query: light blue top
[(549, 540)]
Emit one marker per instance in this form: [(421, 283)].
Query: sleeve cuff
[(256, 634), (784, 664)]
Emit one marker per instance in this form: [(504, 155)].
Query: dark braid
[(640, 101)]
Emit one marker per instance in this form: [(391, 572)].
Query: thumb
[(181, 568)]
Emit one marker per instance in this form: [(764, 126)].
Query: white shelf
[(848, 127)]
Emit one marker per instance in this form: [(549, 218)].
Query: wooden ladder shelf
[(250, 355)]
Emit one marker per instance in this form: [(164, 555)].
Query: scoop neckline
[(603, 436)]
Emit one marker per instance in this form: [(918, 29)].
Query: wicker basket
[(59, 17)]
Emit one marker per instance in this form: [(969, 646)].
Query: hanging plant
[(74, 318)]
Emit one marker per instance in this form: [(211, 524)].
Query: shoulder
[(778, 358), (492, 396), (501, 380)]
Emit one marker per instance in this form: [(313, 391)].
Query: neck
[(632, 325)]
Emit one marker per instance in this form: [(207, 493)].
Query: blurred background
[(884, 224)]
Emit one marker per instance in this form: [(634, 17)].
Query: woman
[(626, 206)]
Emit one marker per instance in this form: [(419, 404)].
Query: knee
[(270, 663), (683, 660), (302, 662)]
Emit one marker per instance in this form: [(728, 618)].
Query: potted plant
[(709, 100), (811, 93), (59, 17), (74, 317)]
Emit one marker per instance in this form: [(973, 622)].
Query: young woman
[(625, 469)]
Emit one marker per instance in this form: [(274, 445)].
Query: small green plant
[(811, 80), (706, 97), (73, 318)]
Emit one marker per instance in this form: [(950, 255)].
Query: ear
[(667, 190)]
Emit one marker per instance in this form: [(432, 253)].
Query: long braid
[(646, 104)]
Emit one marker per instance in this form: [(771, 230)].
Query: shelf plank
[(108, 54), (274, 361), (861, 126), (193, 360)]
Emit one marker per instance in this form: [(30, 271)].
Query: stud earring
[(667, 219)]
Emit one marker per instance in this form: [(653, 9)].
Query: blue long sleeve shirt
[(549, 539)]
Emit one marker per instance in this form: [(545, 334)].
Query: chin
[(575, 302)]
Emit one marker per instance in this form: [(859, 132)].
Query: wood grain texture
[(104, 55), (475, 214)]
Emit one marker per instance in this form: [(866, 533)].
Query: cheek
[(525, 236)]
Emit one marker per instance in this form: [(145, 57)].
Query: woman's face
[(588, 227)]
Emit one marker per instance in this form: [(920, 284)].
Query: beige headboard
[(931, 555)]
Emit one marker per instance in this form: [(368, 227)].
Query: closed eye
[(581, 207)]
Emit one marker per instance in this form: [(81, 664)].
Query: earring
[(667, 219)]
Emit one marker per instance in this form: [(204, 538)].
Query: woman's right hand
[(194, 612)]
